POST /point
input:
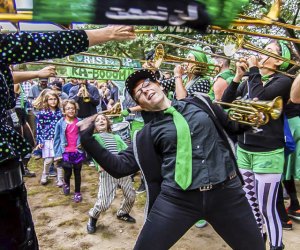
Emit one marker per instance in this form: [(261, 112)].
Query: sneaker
[(132, 178), (36, 157), (126, 218), (295, 214), (52, 172), (44, 179), (66, 189), (91, 225), (59, 183), (29, 174), (287, 225), (141, 188), (91, 164), (77, 197), (201, 224)]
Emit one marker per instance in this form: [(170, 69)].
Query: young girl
[(46, 122), (66, 147), (108, 184)]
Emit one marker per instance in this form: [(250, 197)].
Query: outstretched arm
[(21, 76), (27, 47)]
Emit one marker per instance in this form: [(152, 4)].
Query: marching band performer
[(260, 152), (186, 80)]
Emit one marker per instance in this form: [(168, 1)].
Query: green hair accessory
[(199, 56), (285, 53)]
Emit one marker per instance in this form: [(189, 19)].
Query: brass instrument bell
[(254, 113)]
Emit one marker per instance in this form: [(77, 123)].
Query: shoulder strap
[(203, 101)]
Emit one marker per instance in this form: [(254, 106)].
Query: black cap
[(43, 79), (57, 84), (132, 79)]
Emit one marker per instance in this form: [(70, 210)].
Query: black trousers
[(175, 211), (16, 225), (68, 173)]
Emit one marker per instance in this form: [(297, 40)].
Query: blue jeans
[(225, 208)]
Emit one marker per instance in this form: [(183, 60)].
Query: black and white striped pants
[(107, 191)]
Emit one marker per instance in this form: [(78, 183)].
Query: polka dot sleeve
[(202, 85), (26, 47), (168, 84)]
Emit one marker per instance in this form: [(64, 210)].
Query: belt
[(10, 179), (218, 185)]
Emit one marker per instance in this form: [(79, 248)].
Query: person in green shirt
[(222, 80)]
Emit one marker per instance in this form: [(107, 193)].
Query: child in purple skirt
[(67, 148)]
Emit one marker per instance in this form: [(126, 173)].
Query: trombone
[(254, 113), (230, 50), (199, 68), (16, 17)]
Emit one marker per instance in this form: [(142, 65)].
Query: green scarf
[(183, 166), (121, 145), (265, 78)]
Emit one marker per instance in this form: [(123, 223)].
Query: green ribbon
[(285, 53), (22, 97), (183, 166)]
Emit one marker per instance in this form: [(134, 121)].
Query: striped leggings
[(107, 191), (261, 192)]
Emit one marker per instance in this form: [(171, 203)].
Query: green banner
[(107, 61), (83, 73)]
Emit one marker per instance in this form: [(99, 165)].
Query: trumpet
[(115, 111), (85, 94), (199, 68), (254, 113)]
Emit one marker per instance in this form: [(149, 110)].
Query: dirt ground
[(61, 224)]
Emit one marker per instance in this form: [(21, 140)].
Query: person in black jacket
[(260, 151), (188, 164)]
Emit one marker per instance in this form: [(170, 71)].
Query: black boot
[(277, 248), (28, 173), (91, 225), (265, 237)]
